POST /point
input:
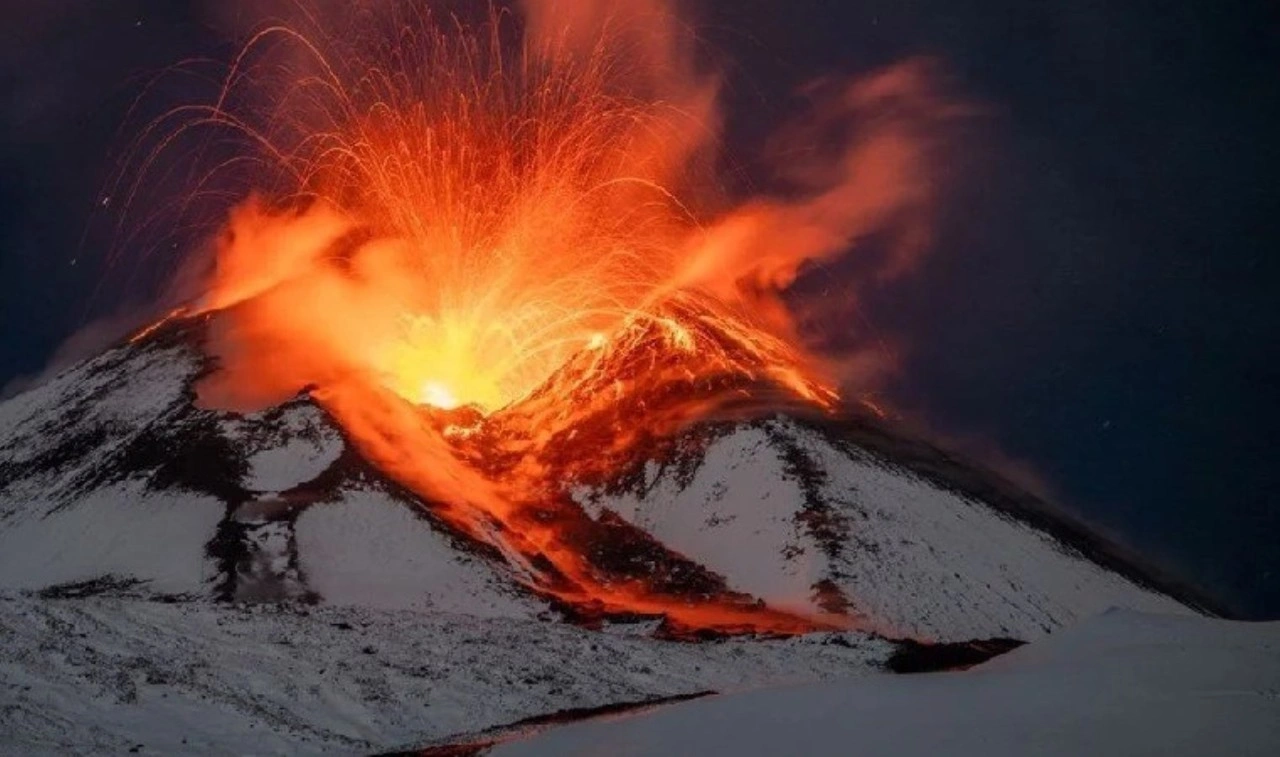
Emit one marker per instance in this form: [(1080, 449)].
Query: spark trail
[(495, 252)]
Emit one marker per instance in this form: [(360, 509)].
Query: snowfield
[(1123, 683), (917, 559), (104, 675), (120, 530), (300, 447), (370, 550)]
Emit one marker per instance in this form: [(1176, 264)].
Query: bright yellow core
[(438, 394)]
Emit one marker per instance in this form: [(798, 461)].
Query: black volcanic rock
[(919, 657)]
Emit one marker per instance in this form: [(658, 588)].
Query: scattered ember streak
[(150, 329), (495, 253)]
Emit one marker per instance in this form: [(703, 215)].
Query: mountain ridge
[(265, 471)]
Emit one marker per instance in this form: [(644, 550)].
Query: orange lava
[(495, 253)]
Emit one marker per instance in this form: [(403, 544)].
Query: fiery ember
[(496, 252)]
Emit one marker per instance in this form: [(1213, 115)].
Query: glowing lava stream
[(416, 454), (519, 225)]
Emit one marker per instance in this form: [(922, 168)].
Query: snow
[(119, 392), (121, 531), (372, 550), (913, 558), (104, 675), (300, 446), (55, 531), (736, 517), (154, 378), (931, 563), (296, 462), (1121, 684)]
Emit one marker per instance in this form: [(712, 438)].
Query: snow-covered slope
[(69, 508), (110, 475), (798, 519), (371, 550), (1121, 684), (105, 675)]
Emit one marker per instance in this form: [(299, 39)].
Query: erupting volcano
[(499, 254), (490, 384)]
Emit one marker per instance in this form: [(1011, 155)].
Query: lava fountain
[(497, 253)]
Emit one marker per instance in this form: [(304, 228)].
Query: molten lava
[(495, 252)]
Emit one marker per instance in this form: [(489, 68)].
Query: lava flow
[(496, 252)]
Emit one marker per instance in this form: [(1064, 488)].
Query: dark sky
[(1101, 300)]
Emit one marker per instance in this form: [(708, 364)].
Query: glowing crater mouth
[(438, 394)]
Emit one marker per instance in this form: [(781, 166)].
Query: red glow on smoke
[(501, 266)]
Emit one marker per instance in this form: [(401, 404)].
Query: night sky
[(1101, 301)]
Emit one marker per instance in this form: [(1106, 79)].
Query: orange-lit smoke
[(523, 220)]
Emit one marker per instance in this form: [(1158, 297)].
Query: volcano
[(112, 476), (490, 403), (133, 517)]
